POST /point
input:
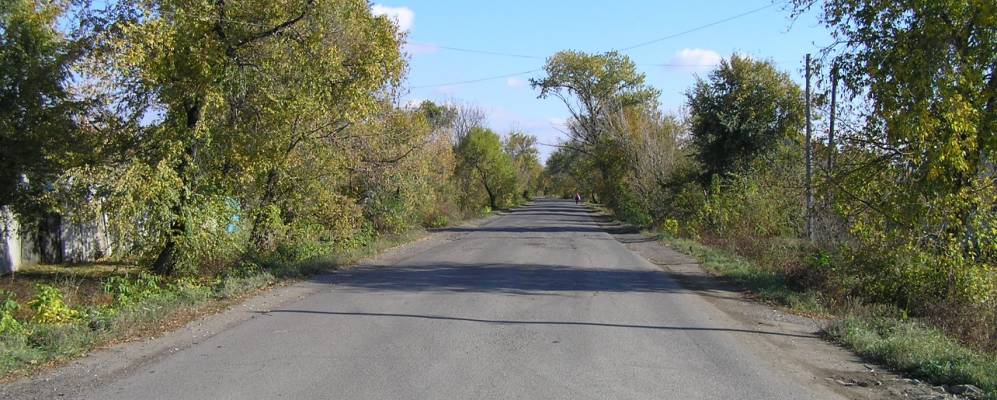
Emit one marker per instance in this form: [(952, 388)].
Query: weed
[(913, 348)]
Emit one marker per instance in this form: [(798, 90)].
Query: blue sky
[(538, 29)]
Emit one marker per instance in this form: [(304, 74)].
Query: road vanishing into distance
[(540, 303)]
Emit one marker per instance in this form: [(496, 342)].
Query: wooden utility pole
[(808, 155)]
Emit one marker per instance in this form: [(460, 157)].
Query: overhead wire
[(476, 80), (698, 28), (459, 49), (526, 56)]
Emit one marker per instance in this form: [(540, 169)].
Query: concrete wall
[(10, 246), (54, 240)]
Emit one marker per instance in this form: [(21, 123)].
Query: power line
[(701, 27), (488, 52), (490, 78), (496, 53), (642, 44)]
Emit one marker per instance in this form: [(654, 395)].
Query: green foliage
[(670, 228), (9, 326), (49, 306), (593, 86), (743, 110), (127, 291), (435, 221), (37, 132), (251, 116), (630, 210), (522, 148), (770, 285), (920, 351), (749, 205), (482, 160)]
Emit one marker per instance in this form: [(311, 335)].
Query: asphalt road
[(541, 303)]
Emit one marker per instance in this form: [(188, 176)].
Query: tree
[(38, 136), (254, 96), (467, 117), (742, 111), (522, 148), (481, 158), (593, 86), (920, 176)]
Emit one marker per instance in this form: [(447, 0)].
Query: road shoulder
[(801, 352), (107, 364)]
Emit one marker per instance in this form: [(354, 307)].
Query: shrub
[(670, 227), (49, 306), (8, 306), (129, 291)]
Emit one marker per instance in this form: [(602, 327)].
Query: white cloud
[(515, 83), (557, 122), (447, 89), (695, 58), (403, 17), (416, 49), (414, 103)]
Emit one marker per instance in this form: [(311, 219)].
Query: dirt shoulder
[(802, 352)]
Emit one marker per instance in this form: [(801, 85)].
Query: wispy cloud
[(695, 58), (414, 103), (447, 89), (558, 122), (416, 49), (403, 17), (515, 83)]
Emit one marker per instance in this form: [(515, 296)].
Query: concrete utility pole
[(808, 155)]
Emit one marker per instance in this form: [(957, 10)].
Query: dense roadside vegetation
[(224, 145), (903, 244), (228, 144)]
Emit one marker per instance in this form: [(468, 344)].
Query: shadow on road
[(510, 278), (518, 322)]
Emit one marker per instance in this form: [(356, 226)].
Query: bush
[(49, 306), (630, 210), (435, 221), (8, 307)]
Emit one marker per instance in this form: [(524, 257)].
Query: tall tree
[(481, 158), (249, 94), (742, 110), (923, 74), (522, 148), (593, 86), (37, 130)]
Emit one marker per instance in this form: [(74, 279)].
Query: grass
[(316, 265), (106, 319), (766, 284), (917, 350), (45, 344), (904, 345), (81, 284)]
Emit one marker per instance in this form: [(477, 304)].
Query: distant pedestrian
[(578, 197)]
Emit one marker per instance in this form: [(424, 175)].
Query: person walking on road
[(578, 197)]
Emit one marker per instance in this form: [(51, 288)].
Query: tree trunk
[(260, 236), (166, 262)]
